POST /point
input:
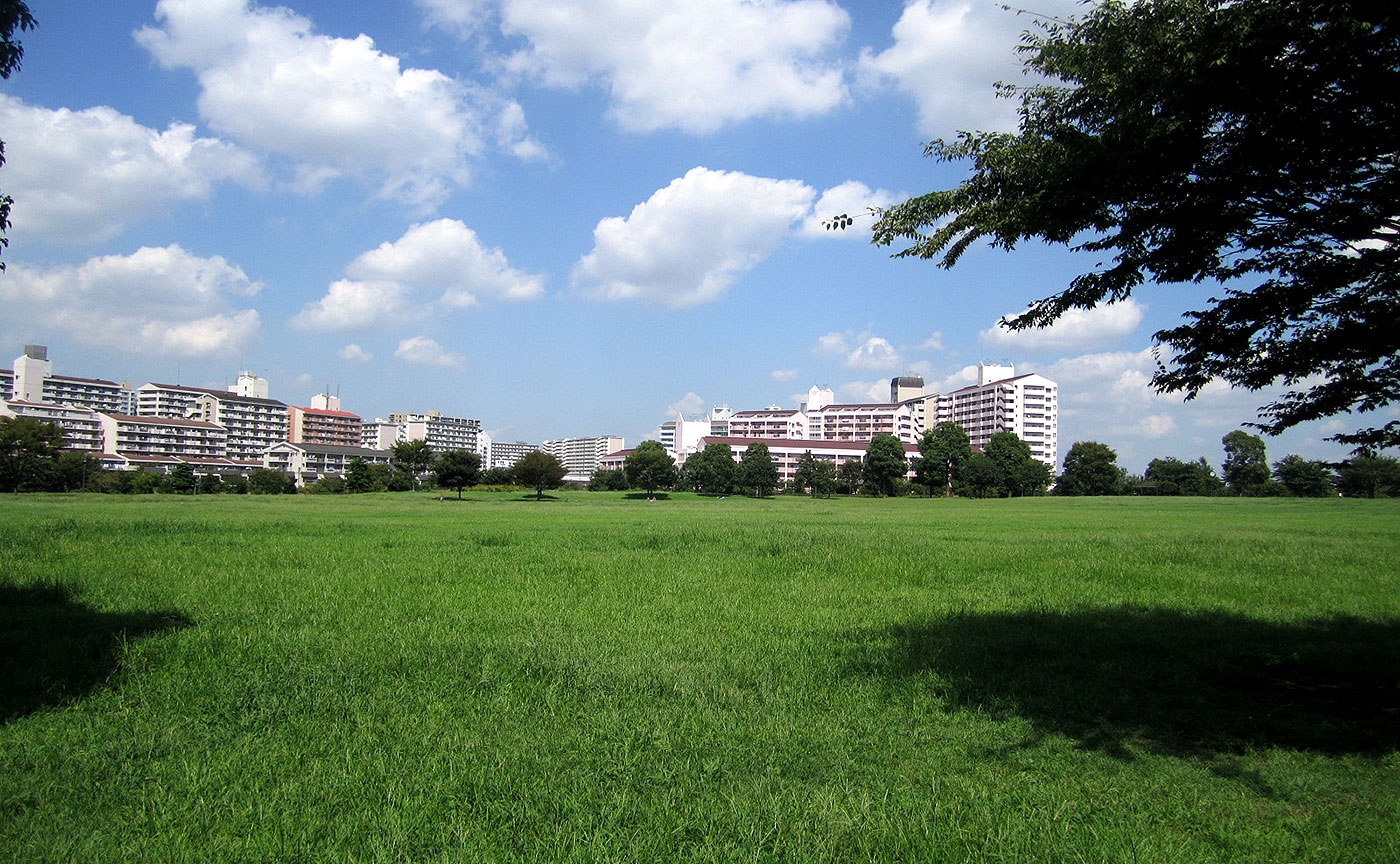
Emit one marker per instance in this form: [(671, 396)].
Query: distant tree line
[(31, 460)]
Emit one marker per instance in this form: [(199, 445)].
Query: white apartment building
[(681, 437), (32, 380), (504, 454), (253, 422), (1002, 401), (441, 433), (580, 456), (378, 434), (310, 462), (767, 424), (81, 427), (130, 435), (861, 422)]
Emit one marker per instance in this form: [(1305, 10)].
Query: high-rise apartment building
[(580, 456), (32, 380), (441, 433), (1002, 401)]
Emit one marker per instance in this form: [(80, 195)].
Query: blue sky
[(565, 219)]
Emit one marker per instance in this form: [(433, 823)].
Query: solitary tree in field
[(1246, 466), (412, 459), (540, 471), (885, 463), (1249, 144), (756, 469), (650, 467), (943, 450), (1304, 478), (1091, 468), (457, 469)]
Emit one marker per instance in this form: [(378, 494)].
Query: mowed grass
[(600, 678)]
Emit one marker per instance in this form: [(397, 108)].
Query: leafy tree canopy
[(757, 471), (457, 469), (943, 450), (1246, 468), (14, 18), (885, 462), (817, 476), (540, 471), (1172, 476), (1249, 143), (28, 451), (1369, 477), (1090, 468), (650, 467), (1304, 478)]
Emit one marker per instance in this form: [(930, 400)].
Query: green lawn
[(600, 678)]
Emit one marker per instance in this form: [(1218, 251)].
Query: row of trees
[(1091, 468)]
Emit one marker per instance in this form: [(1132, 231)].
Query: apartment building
[(32, 380), (132, 435), (253, 421), (441, 433), (81, 427), (309, 462), (323, 423), (504, 454), (767, 424), (580, 456), (1002, 401), (862, 422)]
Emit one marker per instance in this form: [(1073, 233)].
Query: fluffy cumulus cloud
[(463, 18), (422, 351), (1078, 328), (874, 353), (948, 55), (691, 240), (677, 64), (438, 265), (156, 300), (784, 374), (333, 107), (688, 405), (85, 176), (354, 354)]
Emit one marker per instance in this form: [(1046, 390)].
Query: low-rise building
[(310, 462), (130, 435), (787, 453), (81, 427), (323, 423), (861, 422), (767, 424)]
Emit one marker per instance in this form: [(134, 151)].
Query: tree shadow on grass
[(1181, 683), (56, 649), (642, 496)]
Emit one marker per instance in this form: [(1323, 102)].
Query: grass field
[(599, 678)]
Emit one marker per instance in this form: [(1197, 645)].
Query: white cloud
[(873, 353), (948, 54), (439, 264), (933, 343), (964, 377), (687, 406), (334, 107), (85, 176), (691, 240), (350, 304), (677, 64), (833, 343), (354, 354), (422, 351), (851, 198), (445, 257), (460, 17), (157, 300), (1077, 328), (859, 392), (784, 374)]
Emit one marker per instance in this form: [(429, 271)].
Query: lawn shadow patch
[(642, 496), (1181, 683), (57, 649)]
